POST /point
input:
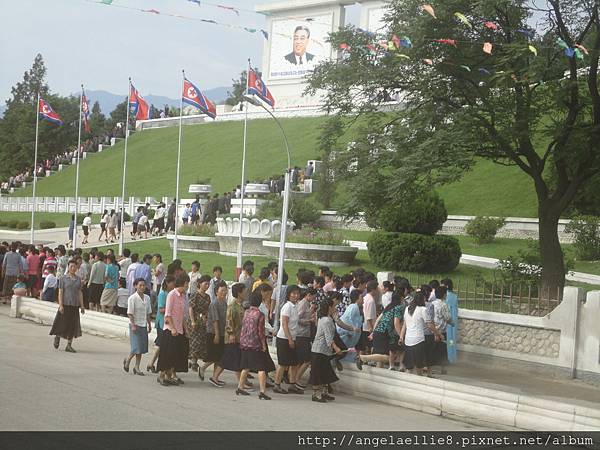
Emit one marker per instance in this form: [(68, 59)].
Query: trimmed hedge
[(423, 214), (12, 223), (22, 225), (47, 224), (414, 252)]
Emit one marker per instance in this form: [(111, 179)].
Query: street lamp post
[(286, 195)]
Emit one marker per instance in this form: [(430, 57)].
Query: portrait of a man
[(299, 56)]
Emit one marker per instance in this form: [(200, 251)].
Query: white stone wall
[(514, 338)]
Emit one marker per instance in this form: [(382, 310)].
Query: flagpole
[(243, 184), (77, 171), (178, 165), (37, 128), (122, 236)]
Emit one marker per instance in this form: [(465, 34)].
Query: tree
[(331, 131), (533, 102), (25, 92), (17, 129), (119, 114), (97, 120), (235, 96)]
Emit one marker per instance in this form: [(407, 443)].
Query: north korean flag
[(85, 112), (193, 96), (139, 106), (47, 113), (258, 88)]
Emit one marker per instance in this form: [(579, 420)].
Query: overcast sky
[(102, 45)]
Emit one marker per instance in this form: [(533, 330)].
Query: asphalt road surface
[(46, 389)]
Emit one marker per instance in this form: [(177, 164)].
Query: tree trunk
[(553, 264)]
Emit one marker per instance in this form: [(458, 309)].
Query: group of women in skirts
[(314, 328)]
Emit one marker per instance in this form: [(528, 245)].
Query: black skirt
[(214, 352), (67, 325), (414, 356), (321, 371), (436, 353), (232, 356), (159, 334), (257, 361), (286, 356), (303, 352), (381, 343), (173, 352)]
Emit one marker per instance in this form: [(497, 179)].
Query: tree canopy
[(512, 81)]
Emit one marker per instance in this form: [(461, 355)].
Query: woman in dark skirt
[(198, 316), (70, 303), (232, 354), (253, 345), (215, 334), (174, 344), (321, 371)]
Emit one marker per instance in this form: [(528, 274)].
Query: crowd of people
[(202, 322)]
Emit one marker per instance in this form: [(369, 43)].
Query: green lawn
[(60, 219), (213, 151)]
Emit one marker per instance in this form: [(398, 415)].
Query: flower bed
[(308, 235)]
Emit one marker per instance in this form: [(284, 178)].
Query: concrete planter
[(317, 254), (195, 243)]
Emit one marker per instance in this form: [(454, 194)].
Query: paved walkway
[(46, 389)]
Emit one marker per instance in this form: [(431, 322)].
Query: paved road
[(45, 389)]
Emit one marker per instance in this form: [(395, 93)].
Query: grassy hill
[(213, 151)]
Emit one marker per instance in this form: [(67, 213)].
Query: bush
[(414, 252), (22, 225), (302, 211), (126, 217), (424, 213), (151, 213), (46, 224), (484, 229), (12, 223), (2, 223), (587, 237), (309, 235), (526, 267), (197, 230)]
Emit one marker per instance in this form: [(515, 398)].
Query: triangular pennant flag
[(533, 50), (582, 48), (429, 9), (446, 41), (491, 25), (463, 19), (487, 48)]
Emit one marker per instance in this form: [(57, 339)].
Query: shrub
[(310, 235), (526, 266), (484, 229), (151, 213), (424, 213), (414, 252), (197, 230), (126, 217), (22, 225), (586, 230), (301, 211), (12, 223), (2, 223), (46, 224)]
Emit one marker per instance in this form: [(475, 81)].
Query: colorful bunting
[(582, 48), (491, 25), (533, 50), (405, 42), (484, 71), (153, 11), (400, 55), (446, 41), (344, 46), (562, 44), (396, 41), (578, 54), (107, 2), (229, 8), (463, 19), (429, 9), (467, 68), (428, 61), (487, 48), (265, 34), (196, 1), (569, 52)]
